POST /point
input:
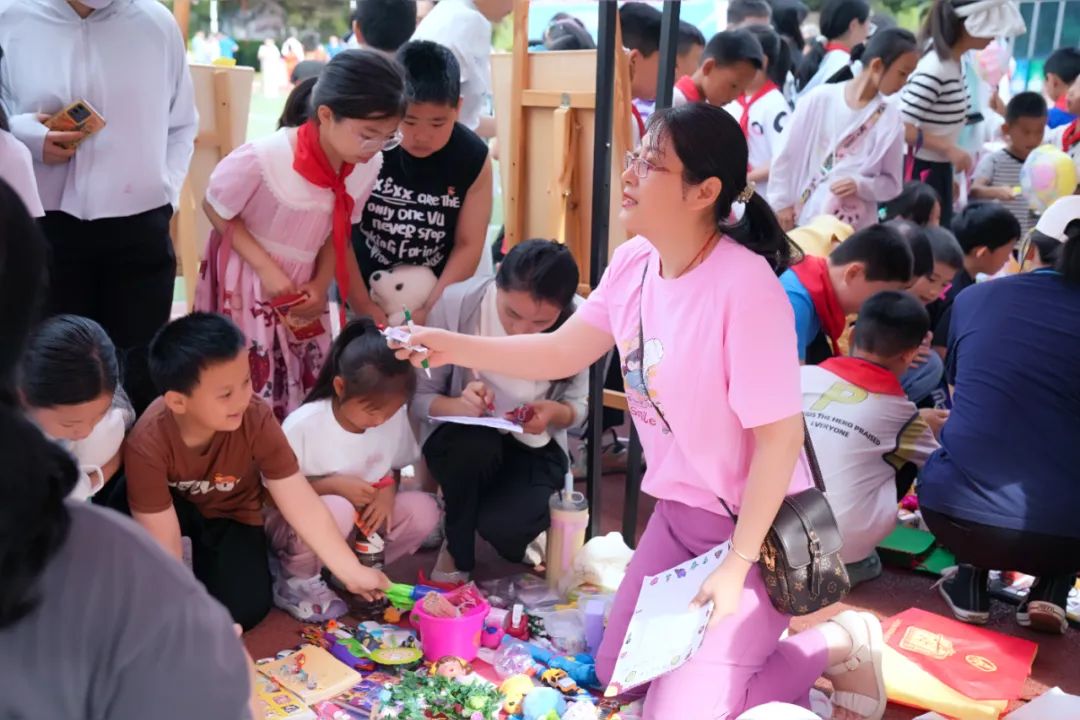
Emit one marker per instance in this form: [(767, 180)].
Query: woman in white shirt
[(109, 200), (495, 483), (69, 383)]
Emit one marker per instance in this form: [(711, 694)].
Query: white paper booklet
[(491, 422), (664, 631)]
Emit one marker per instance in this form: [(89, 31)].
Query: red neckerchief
[(864, 374), (830, 46), (747, 102), (311, 162), (813, 273), (1063, 102), (1071, 135), (689, 89), (637, 117)]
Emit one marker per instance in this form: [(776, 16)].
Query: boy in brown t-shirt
[(204, 457)]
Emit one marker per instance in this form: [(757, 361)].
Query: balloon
[(992, 63), (1047, 175)]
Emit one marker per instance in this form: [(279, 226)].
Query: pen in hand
[(423, 363)]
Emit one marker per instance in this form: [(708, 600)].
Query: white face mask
[(96, 4)]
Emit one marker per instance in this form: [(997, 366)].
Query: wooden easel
[(223, 99), (547, 100)]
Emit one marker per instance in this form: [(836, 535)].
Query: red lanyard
[(747, 102)]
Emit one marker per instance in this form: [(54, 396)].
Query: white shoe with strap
[(867, 645)]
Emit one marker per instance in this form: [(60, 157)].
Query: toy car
[(559, 680)]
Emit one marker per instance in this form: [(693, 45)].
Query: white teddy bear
[(400, 287)]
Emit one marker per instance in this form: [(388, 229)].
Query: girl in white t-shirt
[(352, 438), (69, 385), (763, 110)]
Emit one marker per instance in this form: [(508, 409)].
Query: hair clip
[(747, 192)]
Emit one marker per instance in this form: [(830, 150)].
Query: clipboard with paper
[(664, 631)]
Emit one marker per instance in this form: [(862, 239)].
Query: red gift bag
[(978, 663)]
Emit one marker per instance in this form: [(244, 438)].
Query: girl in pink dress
[(282, 208)]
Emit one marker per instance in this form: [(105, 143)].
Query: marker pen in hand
[(490, 405), (423, 363)]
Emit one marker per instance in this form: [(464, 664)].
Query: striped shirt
[(936, 100), (1002, 169)]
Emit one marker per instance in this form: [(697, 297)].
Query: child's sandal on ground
[(867, 646)]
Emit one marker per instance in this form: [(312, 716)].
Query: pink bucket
[(458, 636)]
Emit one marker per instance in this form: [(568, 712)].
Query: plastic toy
[(404, 597), (492, 637), (513, 658), (581, 667), (517, 625), (459, 636), (450, 666), (543, 704), (559, 680), (429, 696), (514, 689)]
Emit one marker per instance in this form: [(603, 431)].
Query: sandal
[(867, 645)]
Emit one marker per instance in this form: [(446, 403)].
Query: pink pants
[(743, 662), (414, 516)]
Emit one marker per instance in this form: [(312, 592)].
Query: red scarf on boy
[(747, 102), (813, 273), (1071, 135), (690, 91), (311, 162)]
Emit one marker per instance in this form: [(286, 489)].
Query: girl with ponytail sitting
[(352, 438)]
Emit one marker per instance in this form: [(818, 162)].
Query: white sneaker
[(308, 599)]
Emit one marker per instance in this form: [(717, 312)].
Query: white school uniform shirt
[(17, 170), (459, 26), (99, 447), (832, 63), (128, 61), (323, 447), (510, 392), (864, 430), (936, 100), (768, 115)]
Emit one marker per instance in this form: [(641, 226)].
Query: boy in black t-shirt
[(987, 232), (432, 202)]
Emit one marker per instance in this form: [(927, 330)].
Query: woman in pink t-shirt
[(708, 347)]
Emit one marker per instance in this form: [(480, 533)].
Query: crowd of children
[(283, 425)]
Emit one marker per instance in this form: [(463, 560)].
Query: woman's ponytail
[(760, 231), (366, 364)]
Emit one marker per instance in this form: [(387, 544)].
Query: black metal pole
[(669, 46), (601, 204)]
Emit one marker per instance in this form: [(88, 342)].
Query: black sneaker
[(964, 590)]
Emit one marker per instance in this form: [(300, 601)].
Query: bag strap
[(808, 443), (830, 159)]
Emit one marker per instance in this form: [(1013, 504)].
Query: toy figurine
[(559, 680), (514, 689), (450, 666), (581, 710)]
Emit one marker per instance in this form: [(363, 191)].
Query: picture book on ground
[(278, 703), (664, 631), (312, 673)]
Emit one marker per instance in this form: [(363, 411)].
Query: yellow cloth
[(821, 235), (908, 684)]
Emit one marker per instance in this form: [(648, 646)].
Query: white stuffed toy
[(400, 287)]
